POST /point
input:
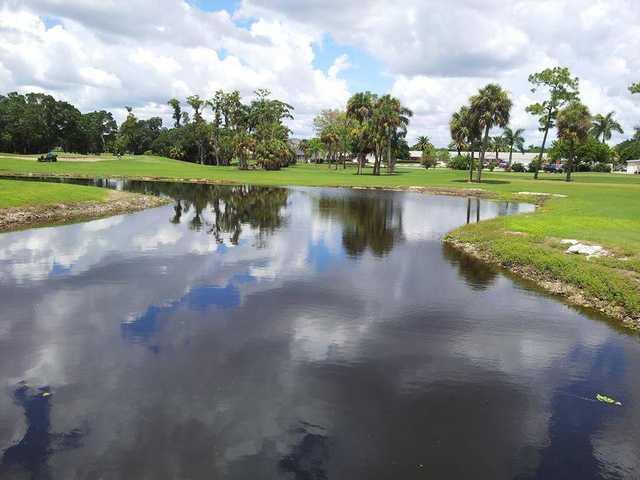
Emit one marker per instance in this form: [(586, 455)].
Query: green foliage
[(37, 123), (561, 89), (137, 136), (429, 157), (635, 88), (459, 162), (444, 156), (421, 143), (517, 167), (513, 140), (604, 125), (587, 153), (573, 124), (628, 150), (491, 107), (376, 124)]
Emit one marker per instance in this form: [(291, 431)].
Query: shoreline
[(570, 293), (116, 203)]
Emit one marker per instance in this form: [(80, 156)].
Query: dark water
[(254, 333)]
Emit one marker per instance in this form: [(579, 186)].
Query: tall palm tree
[(422, 143), (360, 109), (458, 128), (389, 120), (605, 125), (514, 139), (465, 132), (573, 124), (492, 107)]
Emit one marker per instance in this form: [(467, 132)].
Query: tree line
[(37, 123), (580, 136), (224, 129)]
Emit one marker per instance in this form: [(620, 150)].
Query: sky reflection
[(301, 333)]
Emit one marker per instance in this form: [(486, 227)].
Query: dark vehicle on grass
[(552, 168), (49, 157)]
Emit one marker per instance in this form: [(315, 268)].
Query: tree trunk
[(569, 166), (390, 166), (544, 142), (471, 164), (482, 151), (510, 154)]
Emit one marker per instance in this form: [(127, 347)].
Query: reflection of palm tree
[(368, 221), (32, 452), (233, 206), (177, 212)]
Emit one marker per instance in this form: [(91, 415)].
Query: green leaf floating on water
[(608, 400)]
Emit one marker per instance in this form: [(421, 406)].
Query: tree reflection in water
[(32, 452), (368, 221), (233, 207), (476, 273)]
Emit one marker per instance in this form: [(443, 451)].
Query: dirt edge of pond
[(116, 203), (570, 293)]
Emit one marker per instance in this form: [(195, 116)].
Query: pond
[(266, 333)]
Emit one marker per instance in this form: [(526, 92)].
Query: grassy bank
[(602, 209), (27, 204), (15, 194)]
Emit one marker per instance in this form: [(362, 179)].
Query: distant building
[(517, 157), (415, 155), (633, 166)]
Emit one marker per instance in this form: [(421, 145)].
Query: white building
[(633, 166)]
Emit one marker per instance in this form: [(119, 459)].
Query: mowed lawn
[(599, 208), (26, 194)]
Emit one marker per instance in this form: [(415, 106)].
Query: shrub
[(443, 156), (601, 167), (532, 167), (517, 167), (148, 152), (429, 157), (459, 162)]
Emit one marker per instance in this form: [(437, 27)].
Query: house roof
[(633, 161)]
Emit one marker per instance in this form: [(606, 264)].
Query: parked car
[(552, 168)]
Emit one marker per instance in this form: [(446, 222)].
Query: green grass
[(599, 208), (28, 194)]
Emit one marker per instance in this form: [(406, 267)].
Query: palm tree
[(329, 137), (422, 143), (513, 139), (573, 124), (498, 143), (604, 125), (492, 107), (465, 132), (458, 128), (360, 110), (389, 120)]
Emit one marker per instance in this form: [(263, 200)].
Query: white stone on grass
[(588, 250)]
